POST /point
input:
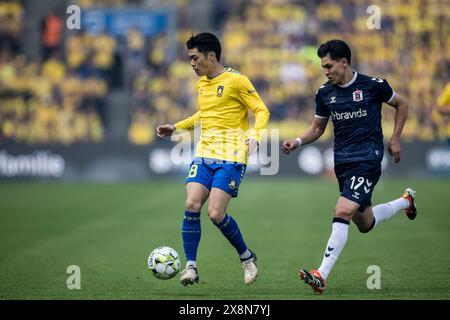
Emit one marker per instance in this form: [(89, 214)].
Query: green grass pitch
[(108, 230)]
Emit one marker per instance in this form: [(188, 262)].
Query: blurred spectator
[(94, 91), (51, 30), (54, 69), (141, 128), (11, 19), (103, 50), (444, 109), (134, 55), (104, 3), (77, 50)]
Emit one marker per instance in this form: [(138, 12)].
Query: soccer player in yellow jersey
[(224, 97), (444, 107)]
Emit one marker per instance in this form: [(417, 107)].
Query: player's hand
[(289, 146), (164, 130), (253, 145), (394, 149)]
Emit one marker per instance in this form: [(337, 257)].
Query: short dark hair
[(337, 49), (205, 42)]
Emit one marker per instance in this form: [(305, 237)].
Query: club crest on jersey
[(357, 95), (219, 91)]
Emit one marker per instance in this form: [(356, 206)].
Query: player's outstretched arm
[(314, 132), (166, 130), (401, 114)]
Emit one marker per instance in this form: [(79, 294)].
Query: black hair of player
[(205, 42), (337, 49)]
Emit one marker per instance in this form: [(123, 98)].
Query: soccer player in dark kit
[(353, 101)]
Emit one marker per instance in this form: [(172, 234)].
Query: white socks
[(385, 211), (191, 263), (334, 247)]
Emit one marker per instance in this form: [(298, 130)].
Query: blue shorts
[(213, 173), (357, 181)]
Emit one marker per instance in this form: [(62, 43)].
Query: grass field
[(108, 230)]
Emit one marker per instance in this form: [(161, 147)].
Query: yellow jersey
[(223, 104)]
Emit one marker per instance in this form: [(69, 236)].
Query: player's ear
[(211, 55)]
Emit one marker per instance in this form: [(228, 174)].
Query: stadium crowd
[(274, 43), (61, 99), (58, 99)]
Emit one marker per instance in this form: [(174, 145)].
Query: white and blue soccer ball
[(164, 262)]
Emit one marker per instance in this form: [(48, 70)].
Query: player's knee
[(193, 205), (215, 215), (343, 213)]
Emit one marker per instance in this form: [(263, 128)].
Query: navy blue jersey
[(355, 109)]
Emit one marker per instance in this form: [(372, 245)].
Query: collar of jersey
[(217, 76), (345, 85)]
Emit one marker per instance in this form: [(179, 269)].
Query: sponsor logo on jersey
[(357, 95), (333, 99), (348, 115)]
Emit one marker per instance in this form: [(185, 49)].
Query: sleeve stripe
[(321, 117), (392, 97)]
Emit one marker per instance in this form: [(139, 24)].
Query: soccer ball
[(164, 262)]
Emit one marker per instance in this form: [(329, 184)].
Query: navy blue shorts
[(357, 181), (213, 173)]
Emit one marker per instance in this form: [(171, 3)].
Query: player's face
[(199, 62), (334, 70)]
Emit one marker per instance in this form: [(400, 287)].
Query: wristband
[(299, 140)]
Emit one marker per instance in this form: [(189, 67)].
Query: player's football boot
[(314, 279), (411, 211), (250, 269), (189, 276)]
